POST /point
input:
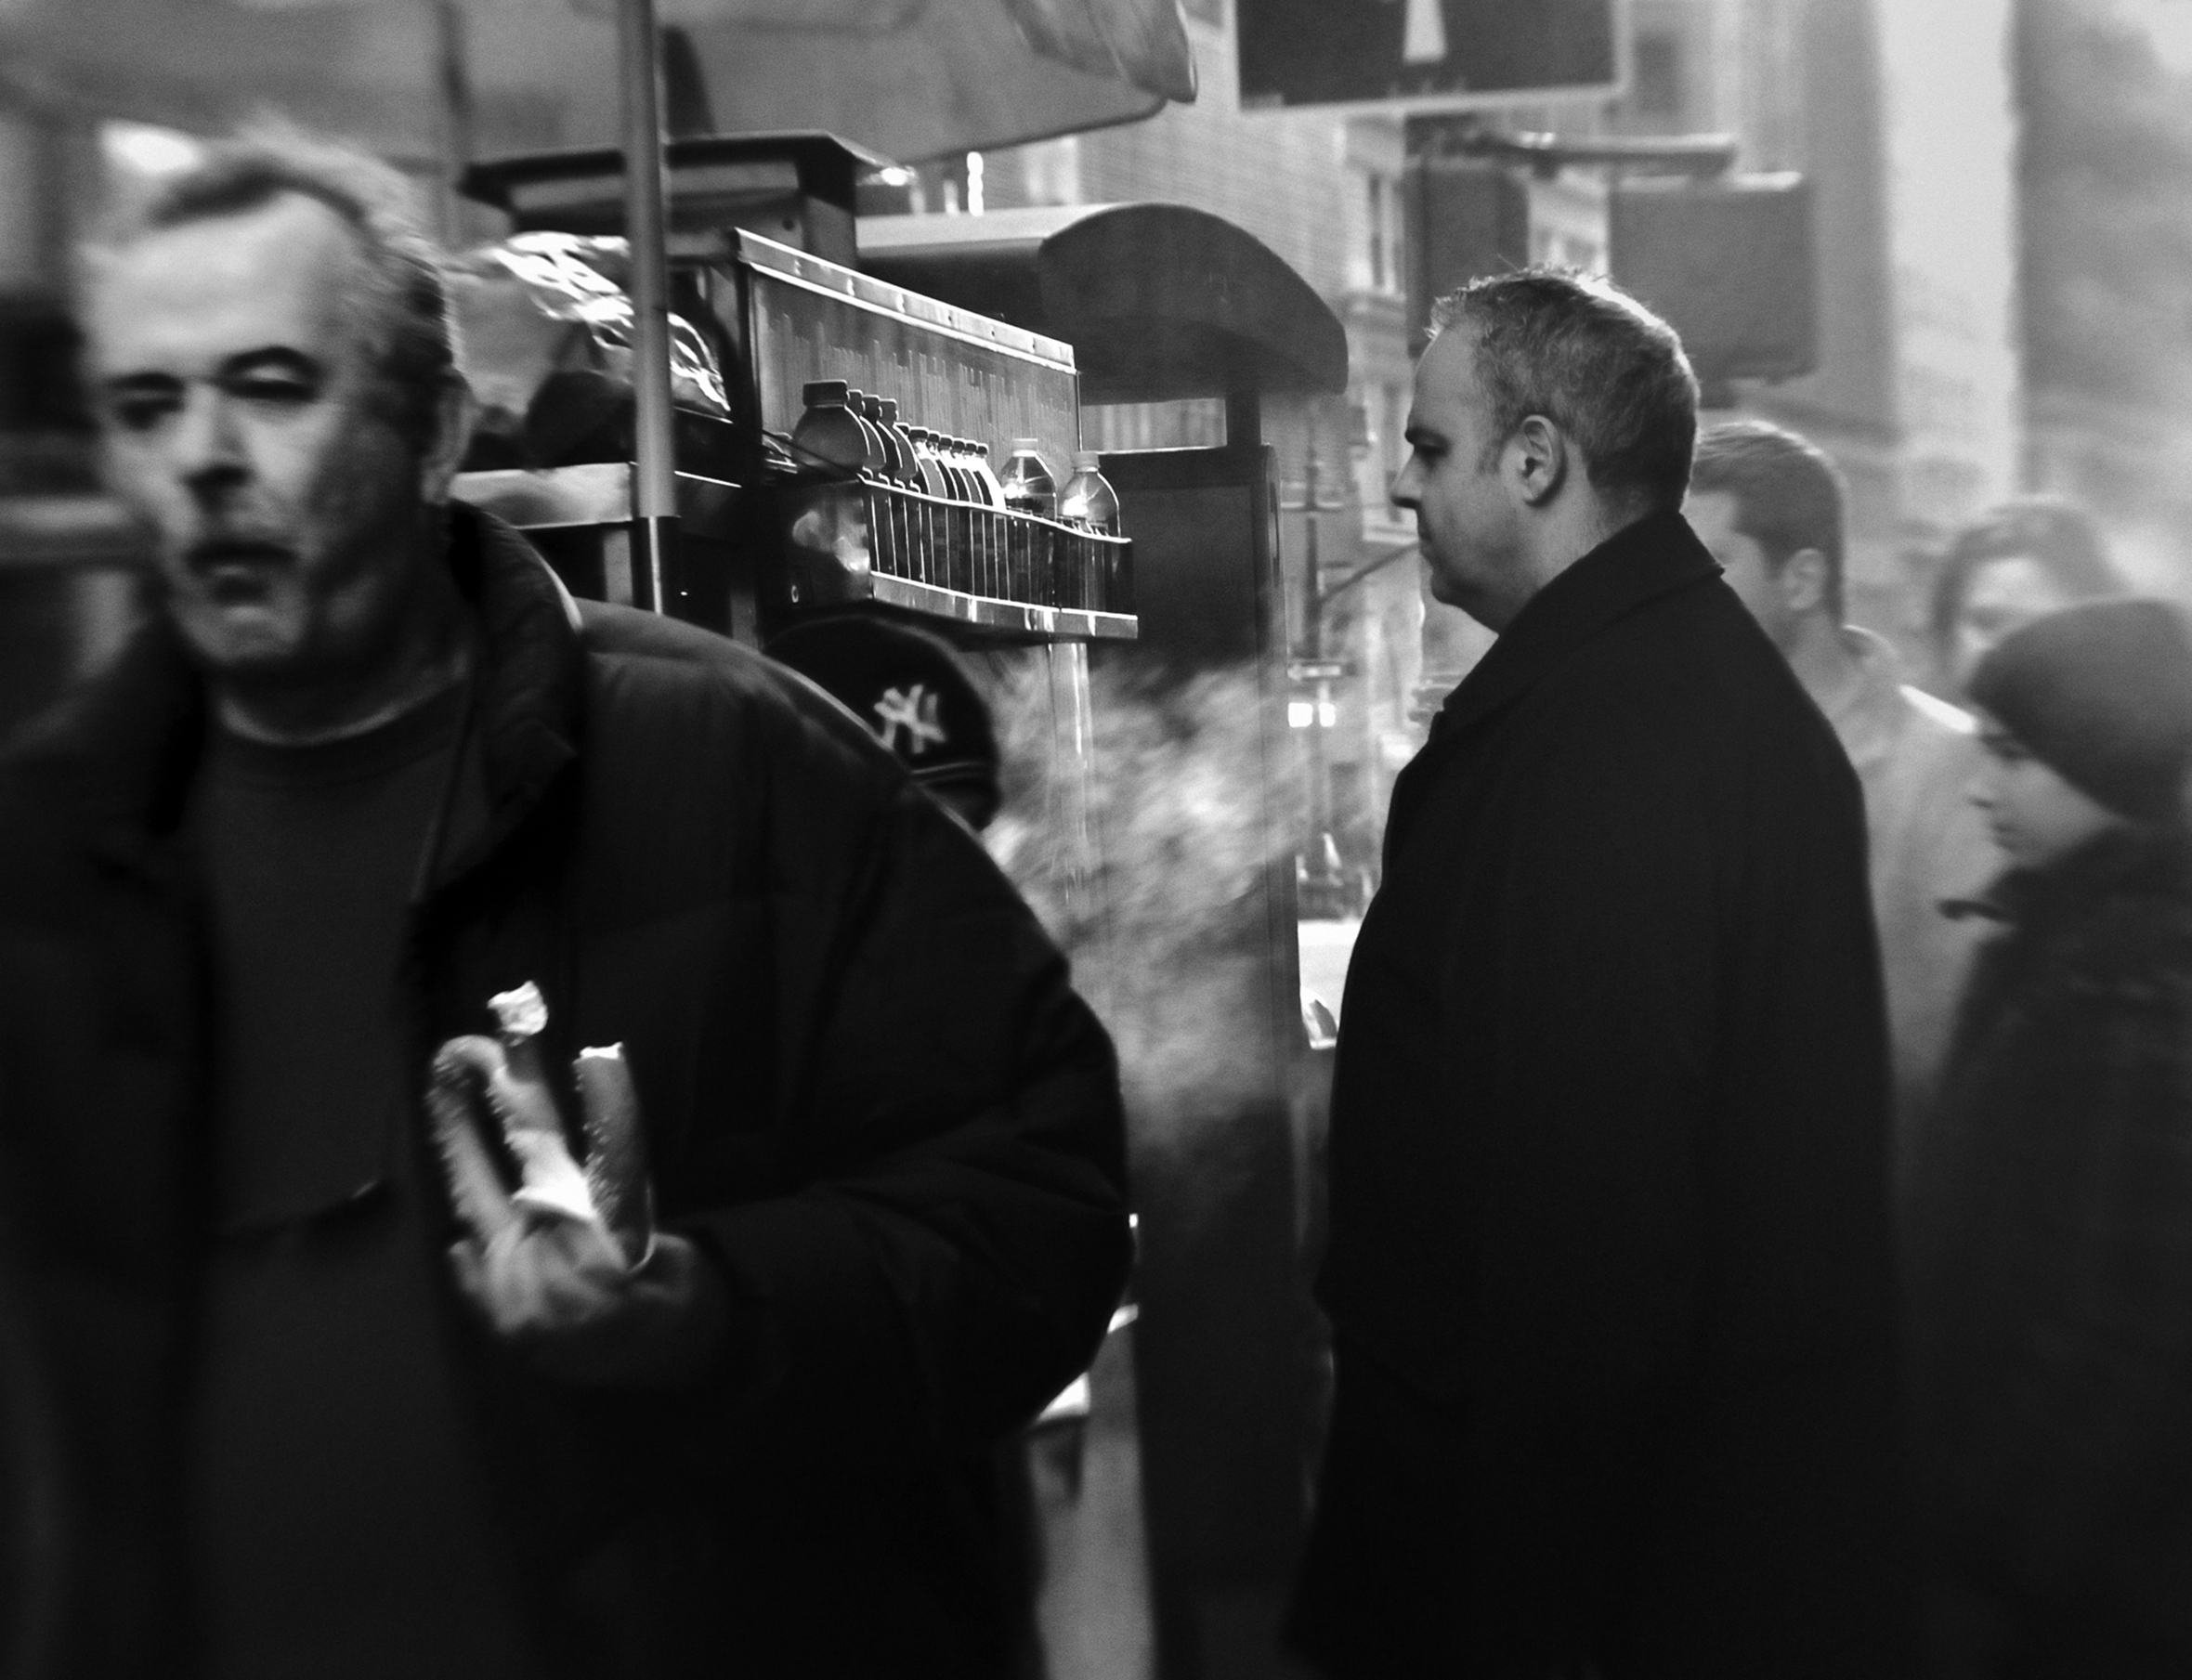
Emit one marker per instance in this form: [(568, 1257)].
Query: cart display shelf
[(595, 492), (825, 584)]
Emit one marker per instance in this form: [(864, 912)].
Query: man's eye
[(279, 390), (140, 411)]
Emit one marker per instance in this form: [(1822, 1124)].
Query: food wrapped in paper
[(505, 1080), (545, 328)]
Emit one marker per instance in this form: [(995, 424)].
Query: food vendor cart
[(1160, 303), (992, 328)]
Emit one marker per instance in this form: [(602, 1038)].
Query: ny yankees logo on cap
[(916, 710)]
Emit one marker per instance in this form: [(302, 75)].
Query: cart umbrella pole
[(654, 485)]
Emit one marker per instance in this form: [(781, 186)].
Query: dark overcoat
[(2051, 1234), (1609, 1274), (871, 1096)]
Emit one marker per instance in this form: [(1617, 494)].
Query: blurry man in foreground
[(1768, 507), (1609, 1274), (353, 1393)]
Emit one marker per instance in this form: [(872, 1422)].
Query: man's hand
[(567, 1265)]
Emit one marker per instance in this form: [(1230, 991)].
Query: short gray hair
[(1585, 355), (398, 308)]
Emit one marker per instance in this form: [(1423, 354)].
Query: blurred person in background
[(2052, 1278), (339, 1399), (1768, 505), (911, 691), (1609, 1265), (2014, 563)]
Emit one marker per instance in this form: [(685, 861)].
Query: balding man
[(1609, 1274), (352, 1390)]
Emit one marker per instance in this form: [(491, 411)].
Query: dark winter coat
[(2051, 1236), (1609, 1273), (871, 1096)]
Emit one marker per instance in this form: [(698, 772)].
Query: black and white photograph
[(1095, 839)]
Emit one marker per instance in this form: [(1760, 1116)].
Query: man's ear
[(1535, 459), (451, 423), (1804, 580)]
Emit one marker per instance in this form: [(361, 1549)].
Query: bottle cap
[(889, 405), (1027, 445), (820, 391), (1086, 461)]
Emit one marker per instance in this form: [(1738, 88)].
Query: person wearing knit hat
[(911, 691), (2100, 695), (2050, 1216)]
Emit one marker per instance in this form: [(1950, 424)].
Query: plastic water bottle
[(1028, 487), (1088, 498)]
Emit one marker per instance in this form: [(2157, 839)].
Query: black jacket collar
[(2131, 863), (122, 754), (1658, 552)]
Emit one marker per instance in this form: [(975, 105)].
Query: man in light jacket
[(1768, 505)]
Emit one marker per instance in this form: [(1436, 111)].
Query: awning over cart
[(1158, 301)]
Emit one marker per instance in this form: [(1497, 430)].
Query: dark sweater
[(338, 1518)]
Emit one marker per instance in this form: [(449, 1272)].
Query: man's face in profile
[(1464, 518), (246, 423)]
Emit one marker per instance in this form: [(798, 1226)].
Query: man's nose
[(1403, 494), (207, 442)]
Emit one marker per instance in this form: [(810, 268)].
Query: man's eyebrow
[(269, 359), (144, 382)]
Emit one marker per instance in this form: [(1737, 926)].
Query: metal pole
[(653, 481), (453, 73), (1324, 883)]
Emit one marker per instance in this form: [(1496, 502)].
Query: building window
[(1377, 216), (1397, 237), (1656, 76), (1385, 240)]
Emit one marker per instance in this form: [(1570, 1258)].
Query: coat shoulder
[(678, 681), (1691, 676), (681, 657)]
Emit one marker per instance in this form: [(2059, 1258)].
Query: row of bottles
[(947, 517), (1087, 502)]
